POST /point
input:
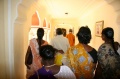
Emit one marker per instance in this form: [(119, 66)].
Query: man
[(71, 38), (60, 43)]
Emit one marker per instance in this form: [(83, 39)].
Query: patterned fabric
[(36, 63), (80, 62), (109, 62)]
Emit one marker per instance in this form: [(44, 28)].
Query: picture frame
[(98, 28)]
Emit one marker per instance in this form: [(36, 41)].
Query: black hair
[(40, 33), (70, 30), (64, 31), (47, 52), (59, 31), (84, 35), (109, 34)]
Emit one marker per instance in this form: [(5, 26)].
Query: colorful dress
[(109, 62), (80, 62), (36, 63)]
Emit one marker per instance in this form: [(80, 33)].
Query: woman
[(82, 58), (108, 57), (32, 56), (49, 69)]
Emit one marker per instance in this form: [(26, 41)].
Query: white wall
[(106, 13)]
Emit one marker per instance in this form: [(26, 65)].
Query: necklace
[(51, 65)]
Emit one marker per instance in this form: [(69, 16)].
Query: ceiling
[(74, 8)]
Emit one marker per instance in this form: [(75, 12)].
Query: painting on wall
[(98, 28)]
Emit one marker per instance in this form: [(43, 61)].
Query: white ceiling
[(74, 8)]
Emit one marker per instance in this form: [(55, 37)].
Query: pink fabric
[(36, 63)]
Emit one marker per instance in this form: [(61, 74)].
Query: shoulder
[(104, 45), (44, 43), (116, 44), (65, 67)]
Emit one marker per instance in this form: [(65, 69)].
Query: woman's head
[(107, 33), (40, 33), (84, 35), (47, 52)]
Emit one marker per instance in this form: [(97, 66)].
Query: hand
[(61, 51)]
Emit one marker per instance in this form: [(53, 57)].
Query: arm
[(28, 58)]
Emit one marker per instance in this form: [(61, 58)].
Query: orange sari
[(80, 62)]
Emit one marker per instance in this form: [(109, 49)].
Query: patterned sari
[(80, 62), (109, 62), (36, 63)]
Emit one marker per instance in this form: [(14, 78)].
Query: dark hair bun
[(108, 32), (47, 52)]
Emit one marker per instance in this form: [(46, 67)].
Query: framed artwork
[(98, 28)]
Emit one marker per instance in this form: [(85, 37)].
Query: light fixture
[(66, 13)]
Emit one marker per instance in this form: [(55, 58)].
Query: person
[(64, 32), (82, 58), (32, 61), (49, 69), (61, 43), (71, 38), (108, 57)]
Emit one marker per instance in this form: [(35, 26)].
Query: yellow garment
[(80, 62), (58, 59), (71, 39)]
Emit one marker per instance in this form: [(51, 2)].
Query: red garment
[(71, 39)]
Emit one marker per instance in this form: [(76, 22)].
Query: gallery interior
[(20, 19)]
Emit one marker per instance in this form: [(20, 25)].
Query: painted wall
[(107, 13)]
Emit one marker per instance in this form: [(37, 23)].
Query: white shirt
[(60, 42), (65, 73)]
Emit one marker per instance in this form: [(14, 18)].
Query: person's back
[(82, 58), (108, 56), (49, 69), (32, 56), (71, 38), (59, 41)]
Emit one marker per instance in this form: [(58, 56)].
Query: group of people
[(61, 60)]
